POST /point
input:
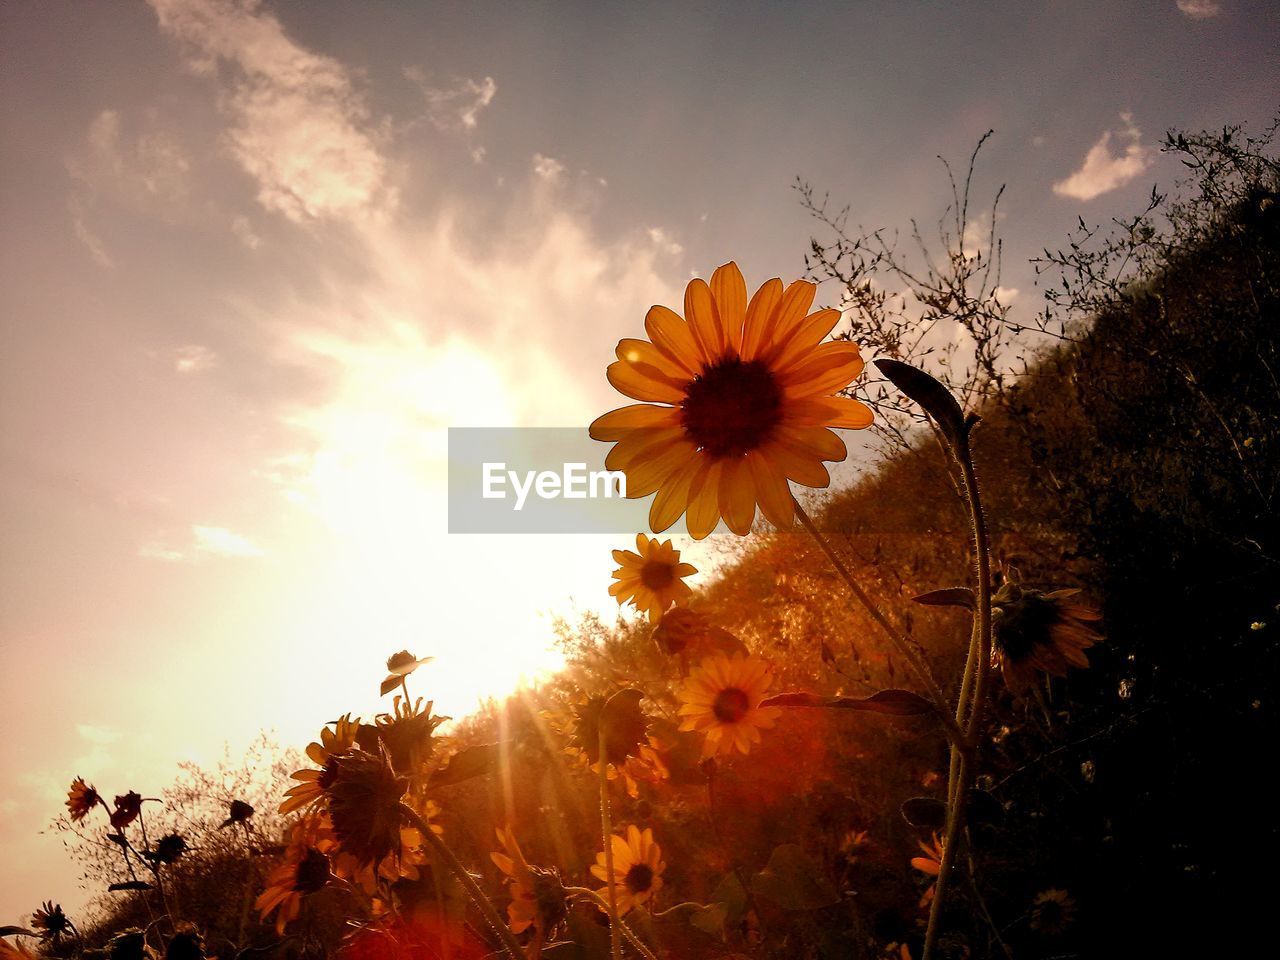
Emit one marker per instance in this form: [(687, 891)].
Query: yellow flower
[(685, 632), (313, 783), (304, 871), (737, 399), (930, 863), (1040, 632), (50, 921), (652, 579), (15, 951), (722, 697), (1053, 911), (81, 798), (637, 868), (537, 896)]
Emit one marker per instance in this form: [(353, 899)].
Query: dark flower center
[(731, 705), (731, 407), (639, 878), (313, 872), (1024, 624), (657, 575)]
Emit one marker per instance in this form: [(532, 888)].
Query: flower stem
[(977, 670), (900, 643), (599, 901), (509, 942), (606, 832)]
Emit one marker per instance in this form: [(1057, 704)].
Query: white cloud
[(193, 358), (457, 106), (199, 542), (91, 241), (1006, 295), (549, 168), (1200, 9), (1105, 169), (97, 733), (298, 126), (244, 232), (663, 241)]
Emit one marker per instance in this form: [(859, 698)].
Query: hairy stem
[(600, 902), (606, 833), (509, 942), (977, 670)]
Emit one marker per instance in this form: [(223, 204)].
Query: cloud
[(297, 126), (193, 358), (548, 168), (455, 107), (1105, 169), (91, 241), (1200, 9), (97, 733), (200, 542), (662, 240)]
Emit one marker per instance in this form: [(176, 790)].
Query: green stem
[(606, 832), (908, 652), (509, 942), (979, 667), (630, 934)]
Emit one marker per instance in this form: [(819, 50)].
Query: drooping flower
[(237, 812), (685, 632), (408, 736), (127, 808), (168, 849), (537, 895), (187, 943), (399, 666), (50, 922), (312, 783), (737, 398), (722, 699), (651, 579), (1053, 911), (637, 868), (81, 798), (304, 871), (626, 727), (1036, 632), (363, 795)]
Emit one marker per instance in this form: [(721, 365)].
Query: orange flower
[(737, 399), (81, 798), (930, 863), (1038, 632), (310, 789), (637, 868), (537, 896), (652, 579), (722, 698)]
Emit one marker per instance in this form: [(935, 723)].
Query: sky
[(255, 258)]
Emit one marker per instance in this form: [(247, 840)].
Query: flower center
[(656, 575), (731, 705), (313, 872), (639, 878), (731, 407)]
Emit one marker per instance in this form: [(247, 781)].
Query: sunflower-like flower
[(722, 698), (399, 666), (637, 868), (312, 783), (128, 806), (187, 943), (408, 735), (685, 632), (1053, 911), (651, 579), (626, 727), (81, 798), (168, 849), (1038, 632), (50, 922), (304, 871), (364, 804), (537, 895), (737, 399), (15, 951), (237, 812)]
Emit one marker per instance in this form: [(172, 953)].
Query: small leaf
[(129, 885), (390, 684), (710, 919), (936, 399), (951, 597), (15, 932), (924, 812), (468, 763), (893, 703), (793, 881), (730, 895)]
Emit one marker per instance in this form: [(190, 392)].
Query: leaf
[(710, 919), (129, 885), (468, 763), (389, 684), (15, 932), (936, 399), (893, 703), (732, 898), (951, 597), (793, 881), (924, 812)]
